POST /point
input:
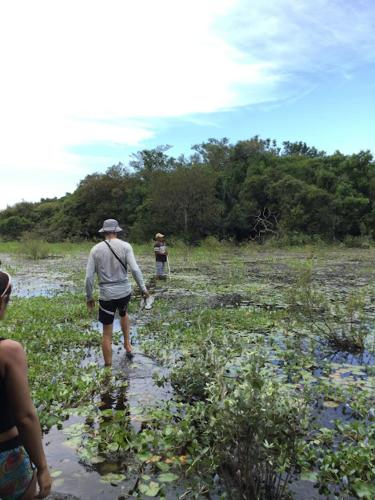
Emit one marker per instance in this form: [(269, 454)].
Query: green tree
[(183, 203)]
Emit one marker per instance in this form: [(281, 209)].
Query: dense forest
[(251, 190)]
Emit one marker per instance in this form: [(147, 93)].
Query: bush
[(12, 227), (357, 242), (342, 323), (35, 249), (211, 243), (178, 244), (258, 429), (294, 239), (192, 374), (249, 424)]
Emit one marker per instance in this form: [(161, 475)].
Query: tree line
[(251, 190)]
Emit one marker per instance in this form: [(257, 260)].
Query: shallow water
[(77, 480), (44, 278)]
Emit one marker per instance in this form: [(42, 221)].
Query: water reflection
[(114, 395)]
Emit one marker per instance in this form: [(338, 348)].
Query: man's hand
[(90, 304), (145, 294)]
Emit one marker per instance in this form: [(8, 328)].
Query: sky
[(85, 83)]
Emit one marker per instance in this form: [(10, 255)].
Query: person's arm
[(157, 250), (27, 420), (89, 281), (160, 250), (134, 268)]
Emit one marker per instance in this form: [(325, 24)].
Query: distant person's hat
[(159, 235), (110, 226)]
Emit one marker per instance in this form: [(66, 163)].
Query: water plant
[(35, 248), (342, 322), (261, 394)]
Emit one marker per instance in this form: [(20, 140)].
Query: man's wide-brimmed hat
[(110, 226), (159, 235)]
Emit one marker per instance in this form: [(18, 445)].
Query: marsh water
[(255, 281), (72, 478)]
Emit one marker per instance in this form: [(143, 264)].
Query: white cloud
[(87, 71), (304, 37)]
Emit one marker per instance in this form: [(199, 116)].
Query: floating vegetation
[(252, 372)]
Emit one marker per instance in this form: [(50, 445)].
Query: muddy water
[(72, 478), (40, 278), (75, 478)]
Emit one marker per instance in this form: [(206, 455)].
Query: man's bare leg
[(125, 327), (107, 344)]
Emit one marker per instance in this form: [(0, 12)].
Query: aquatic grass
[(224, 337), (35, 249), (206, 350), (343, 323), (56, 335), (185, 331)]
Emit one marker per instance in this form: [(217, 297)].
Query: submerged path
[(73, 479)]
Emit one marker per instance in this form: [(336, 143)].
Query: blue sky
[(86, 83)]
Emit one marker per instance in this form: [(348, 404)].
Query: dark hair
[(4, 282)]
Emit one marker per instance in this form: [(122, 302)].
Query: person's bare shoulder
[(10, 350)]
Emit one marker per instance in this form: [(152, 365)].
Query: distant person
[(161, 255), (21, 449), (110, 260)]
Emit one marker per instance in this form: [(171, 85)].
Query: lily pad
[(331, 404), (56, 473), (150, 490), (167, 477), (112, 478)]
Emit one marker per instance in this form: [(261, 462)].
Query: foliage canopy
[(249, 190)]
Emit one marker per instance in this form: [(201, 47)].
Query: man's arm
[(134, 268), (90, 275)]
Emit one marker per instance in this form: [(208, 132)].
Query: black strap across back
[(115, 254)]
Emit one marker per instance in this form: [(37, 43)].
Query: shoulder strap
[(117, 257)]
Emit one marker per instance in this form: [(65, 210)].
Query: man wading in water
[(110, 260)]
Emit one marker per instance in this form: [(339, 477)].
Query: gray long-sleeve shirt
[(113, 279)]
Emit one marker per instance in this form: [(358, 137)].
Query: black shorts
[(108, 308)]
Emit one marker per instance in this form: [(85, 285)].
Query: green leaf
[(142, 457), (168, 477), (309, 476), (112, 478), (331, 404), (150, 490), (73, 443), (56, 473), (113, 447), (364, 490), (162, 466)]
